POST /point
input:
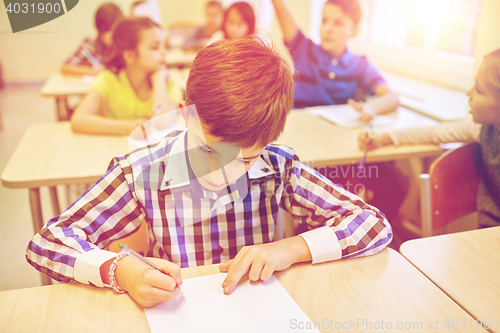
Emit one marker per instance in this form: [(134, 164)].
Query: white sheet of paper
[(252, 307), (344, 115)]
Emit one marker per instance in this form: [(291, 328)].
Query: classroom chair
[(449, 191)]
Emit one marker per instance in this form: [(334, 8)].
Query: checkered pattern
[(96, 48), (192, 226)]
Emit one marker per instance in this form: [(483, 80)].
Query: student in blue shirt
[(329, 74)]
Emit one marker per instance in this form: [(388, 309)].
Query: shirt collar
[(177, 170)]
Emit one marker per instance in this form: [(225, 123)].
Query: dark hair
[(246, 12), (214, 4), (106, 16), (126, 37), (242, 90), (350, 8)]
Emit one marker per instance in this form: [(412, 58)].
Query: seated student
[(239, 21), (211, 194), (484, 127), (329, 74), (106, 17), (133, 86), (200, 36)]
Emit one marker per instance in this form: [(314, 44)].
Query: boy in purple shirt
[(329, 74)]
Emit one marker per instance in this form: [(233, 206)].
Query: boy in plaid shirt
[(211, 194)]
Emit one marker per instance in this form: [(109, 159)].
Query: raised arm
[(285, 18)]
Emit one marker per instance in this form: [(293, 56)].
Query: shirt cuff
[(88, 266), (323, 244)]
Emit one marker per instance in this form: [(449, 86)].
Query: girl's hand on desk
[(147, 286), (373, 141), (263, 260)]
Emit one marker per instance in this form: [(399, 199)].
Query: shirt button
[(217, 251), (331, 75), (335, 62)]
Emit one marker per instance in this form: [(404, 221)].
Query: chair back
[(453, 180)]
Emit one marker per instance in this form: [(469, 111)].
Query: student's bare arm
[(71, 69), (384, 101), (88, 118), (263, 260), (285, 18)]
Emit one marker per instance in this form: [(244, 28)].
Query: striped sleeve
[(342, 224), (70, 246)]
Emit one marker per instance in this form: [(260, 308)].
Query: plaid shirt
[(93, 46), (190, 225)]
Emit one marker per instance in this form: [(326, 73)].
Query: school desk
[(321, 143), (466, 266), (61, 87), (51, 154), (439, 103), (357, 295)]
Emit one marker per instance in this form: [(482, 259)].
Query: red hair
[(242, 90)]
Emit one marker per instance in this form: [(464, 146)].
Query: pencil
[(137, 256), (365, 152)]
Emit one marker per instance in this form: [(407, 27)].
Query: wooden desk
[(434, 101), (60, 87), (51, 154), (466, 266), (321, 143), (384, 287)]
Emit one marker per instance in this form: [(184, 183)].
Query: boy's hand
[(263, 260), (366, 111), (147, 286), (373, 141)]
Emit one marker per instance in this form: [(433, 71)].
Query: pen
[(363, 158), (155, 113), (137, 256), (91, 58)]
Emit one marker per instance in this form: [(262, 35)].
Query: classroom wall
[(35, 54), (489, 31)]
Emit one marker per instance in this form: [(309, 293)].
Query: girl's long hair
[(246, 13), (126, 37)]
